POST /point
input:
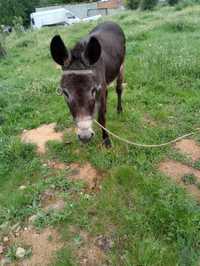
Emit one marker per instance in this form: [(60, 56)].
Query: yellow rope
[(147, 145)]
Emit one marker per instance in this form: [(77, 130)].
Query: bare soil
[(176, 171), (44, 245), (188, 147), (149, 120), (88, 174), (57, 165), (90, 256), (41, 135), (50, 201), (88, 253)]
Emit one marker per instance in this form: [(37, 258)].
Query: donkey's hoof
[(107, 143)]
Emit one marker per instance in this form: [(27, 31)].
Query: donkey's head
[(80, 83)]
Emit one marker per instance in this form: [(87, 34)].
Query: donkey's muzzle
[(84, 130), (85, 138)]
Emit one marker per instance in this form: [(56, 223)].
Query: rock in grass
[(5, 239), (20, 252), (22, 187)]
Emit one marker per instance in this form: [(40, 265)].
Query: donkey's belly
[(112, 68)]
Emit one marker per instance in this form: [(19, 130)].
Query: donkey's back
[(112, 40)]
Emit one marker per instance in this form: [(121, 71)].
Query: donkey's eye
[(94, 90)]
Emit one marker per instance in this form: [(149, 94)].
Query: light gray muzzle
[(84, 129)]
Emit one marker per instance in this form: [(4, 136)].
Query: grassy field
[(152, 221)]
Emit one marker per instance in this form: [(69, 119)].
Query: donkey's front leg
[(102, 119)]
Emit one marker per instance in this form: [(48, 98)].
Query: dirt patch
[(91, 256), (189, 147), (149, 120), (176, 171), (41, 135), (50, 201), (88, 174), (88, 252), (57, 165), (44, 245)]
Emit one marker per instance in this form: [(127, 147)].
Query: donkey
[(88, 68)]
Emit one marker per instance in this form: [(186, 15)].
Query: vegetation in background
[(148, 4), (152, 221), (173, 2), (14, 8), (133, 4)]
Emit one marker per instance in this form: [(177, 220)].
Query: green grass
[(155, 223), (189, 179)]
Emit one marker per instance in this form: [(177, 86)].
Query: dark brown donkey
[(88, 68)]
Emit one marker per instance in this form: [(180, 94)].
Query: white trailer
[(59, 16)]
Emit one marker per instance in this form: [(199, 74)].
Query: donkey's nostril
[(85, 137)]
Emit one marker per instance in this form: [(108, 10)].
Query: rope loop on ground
[(148, 145)]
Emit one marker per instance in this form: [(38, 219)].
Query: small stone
[(22, 187), (25, 229), (85, 261), (5, 239), (20, 252)]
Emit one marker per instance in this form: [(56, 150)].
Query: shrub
[(133, 4), (184, 3), (18, 24), (172, 2), (148, 4)]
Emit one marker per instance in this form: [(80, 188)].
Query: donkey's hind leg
[(119, 88)]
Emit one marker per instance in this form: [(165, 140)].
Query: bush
[(18, 24), (173, 2), (133, 4), (148, 4)]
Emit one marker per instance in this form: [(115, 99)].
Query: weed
[(189, 179)]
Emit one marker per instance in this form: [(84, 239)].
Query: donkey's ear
[(59, 51), (93, 51)]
